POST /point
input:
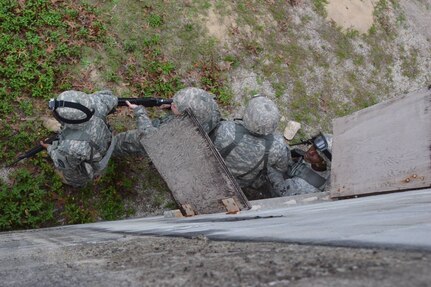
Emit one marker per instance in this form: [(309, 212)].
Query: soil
[(154, 261), (350, 14)]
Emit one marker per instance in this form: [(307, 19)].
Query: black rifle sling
[(239, 134)]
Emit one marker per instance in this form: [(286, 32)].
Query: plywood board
[(386, 147), (191, 166)]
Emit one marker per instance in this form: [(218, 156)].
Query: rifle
[(146, 102), (309, 141), (34, 150)]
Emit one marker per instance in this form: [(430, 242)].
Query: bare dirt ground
[(350, 14), (153, 261)]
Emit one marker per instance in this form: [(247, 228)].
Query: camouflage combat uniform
[(83, 150), (250, 146), (199, 101), (299, 177)]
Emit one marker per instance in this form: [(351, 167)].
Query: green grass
[(27, 204)]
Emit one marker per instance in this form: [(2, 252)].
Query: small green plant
[(26, 204), (155, 20), (75, 214), (232, 60), (319, 7)]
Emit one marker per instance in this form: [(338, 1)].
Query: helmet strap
[(54, 104)]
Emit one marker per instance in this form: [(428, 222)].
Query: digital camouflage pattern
[(202, 104), (261, 116), (129, 142), (199, 101), (248, 152), (295, 185), (80, 148)]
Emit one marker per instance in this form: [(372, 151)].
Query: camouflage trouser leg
[(128, 143)]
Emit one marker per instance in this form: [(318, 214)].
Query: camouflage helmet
[(201, 103), (261, 116), (72, 113)]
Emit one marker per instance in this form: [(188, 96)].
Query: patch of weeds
[(111, 206), (344, 47), (279, 89), (212, 79), (278, 11), (381, 15), (320, 7), (352, 33), (302, 105), (130, 45), (380, 57), (26, 107), (372, 30), (296, 57), (401, 19), (232, 60), (26, 204), (155, 20), (358, 60), (409, 65), (77, 214), (306, 19), (364, 99)]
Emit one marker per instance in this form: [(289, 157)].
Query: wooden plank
[(386, 147), (191, 166), (231, 206)]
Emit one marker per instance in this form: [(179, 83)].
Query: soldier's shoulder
[(226, 125), (74, 147), (279, 141)]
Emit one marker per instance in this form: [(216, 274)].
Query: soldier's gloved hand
[(132, 106), (44, 145), (165, 106)]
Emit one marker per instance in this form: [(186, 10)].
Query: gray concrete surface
[(398, 220), (384, 239)]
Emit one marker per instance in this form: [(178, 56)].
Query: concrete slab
[(398, 220)]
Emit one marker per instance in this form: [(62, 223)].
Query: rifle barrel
[(146, 102), (38, 148)]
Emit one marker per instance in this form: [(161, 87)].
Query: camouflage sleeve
[(281, 155), (290, 186), (278, 183), (145, 125), (128, 143), (106, 101)]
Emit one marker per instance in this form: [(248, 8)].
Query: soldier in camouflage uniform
[(309, 174), (85, 141), (249, 146), (202, 104)]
